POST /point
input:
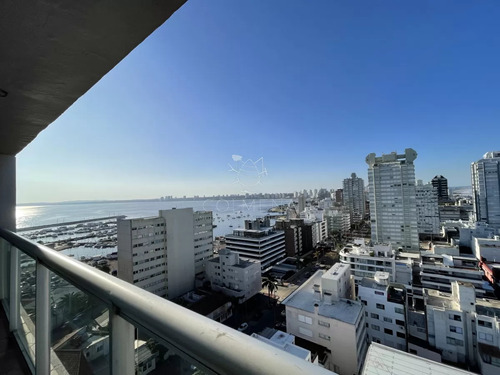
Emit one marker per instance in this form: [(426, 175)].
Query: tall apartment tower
[(354, 197), (427, 209), (441, 184), (393, 212), (486, 188), (164, 254)]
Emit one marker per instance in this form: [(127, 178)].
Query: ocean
[(228, 214)]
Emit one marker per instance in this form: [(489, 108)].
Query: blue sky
[(310, 87)]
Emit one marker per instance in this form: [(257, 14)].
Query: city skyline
[(309, 90)]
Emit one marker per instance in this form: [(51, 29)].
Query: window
[(456, 317), (486, 336), (380, 306), (364, 302), (375, 327), (483, 323), (401, 335), (399, 310), (456, 329), (324, 337), (388, 331), (305, 332), (452, 341), (324, 324), (374, 316), (379, 293), (305, 319), (400, 322), (366, 313), (388, 320)]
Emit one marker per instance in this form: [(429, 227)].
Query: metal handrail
[(218, 348)]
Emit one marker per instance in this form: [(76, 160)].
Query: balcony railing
[(59, 307)]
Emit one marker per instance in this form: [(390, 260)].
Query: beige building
[(233, 276)]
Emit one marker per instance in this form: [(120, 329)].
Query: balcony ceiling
[(52, 52)]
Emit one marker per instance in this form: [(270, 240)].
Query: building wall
[(354, 197), (233, 277), (427, 210), (392, 197), (142, 254), (203, 239), (180, 251), (485, 175)]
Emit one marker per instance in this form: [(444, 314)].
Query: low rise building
[(258, 241), (321, 311), (233, 276), (365, 261), (464, 328), (285, 342), (384, 310), (486, 249)]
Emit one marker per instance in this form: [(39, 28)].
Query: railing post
[(42, 326), (122, 345), (14, 299), (4, 268)]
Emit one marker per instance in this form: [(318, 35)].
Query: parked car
[(243, 327)]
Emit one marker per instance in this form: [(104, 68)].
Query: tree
[(271, 284)]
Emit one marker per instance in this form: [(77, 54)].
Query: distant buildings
[(354, 197), (427, 209), (486, 188), (320, 311), (234, 277), (337, 221), (164, 254), (441, 185), (258, 241), (393, 213)]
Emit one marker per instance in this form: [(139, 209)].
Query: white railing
[(206, 344)]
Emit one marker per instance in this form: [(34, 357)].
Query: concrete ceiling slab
[(53, 51)]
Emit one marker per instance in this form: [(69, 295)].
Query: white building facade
[(158, 254), (321, 312), (392, 196), (258, 242), (485, 175), (234, 277), (384, 310)]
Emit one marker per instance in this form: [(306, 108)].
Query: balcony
[(61, 310)]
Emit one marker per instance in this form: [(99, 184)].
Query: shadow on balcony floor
[(11, 359)]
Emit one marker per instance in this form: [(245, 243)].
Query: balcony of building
[(57, 315)]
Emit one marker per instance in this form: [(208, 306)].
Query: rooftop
[(303, 298), (381, 359)]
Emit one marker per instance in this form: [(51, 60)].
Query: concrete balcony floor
[(11, 359)]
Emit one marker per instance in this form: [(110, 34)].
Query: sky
[(278, 96)]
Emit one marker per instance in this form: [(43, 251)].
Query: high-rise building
[(354, 197), (486, 188), (441, 184), (339, 196), (163, 254), (427, 209), (302, 203), (393, 211)]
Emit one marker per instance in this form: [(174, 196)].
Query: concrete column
[(8, 192)]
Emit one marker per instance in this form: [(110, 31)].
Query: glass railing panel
[(27, 304), (5, 273), (79, 331), (151, 357)]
